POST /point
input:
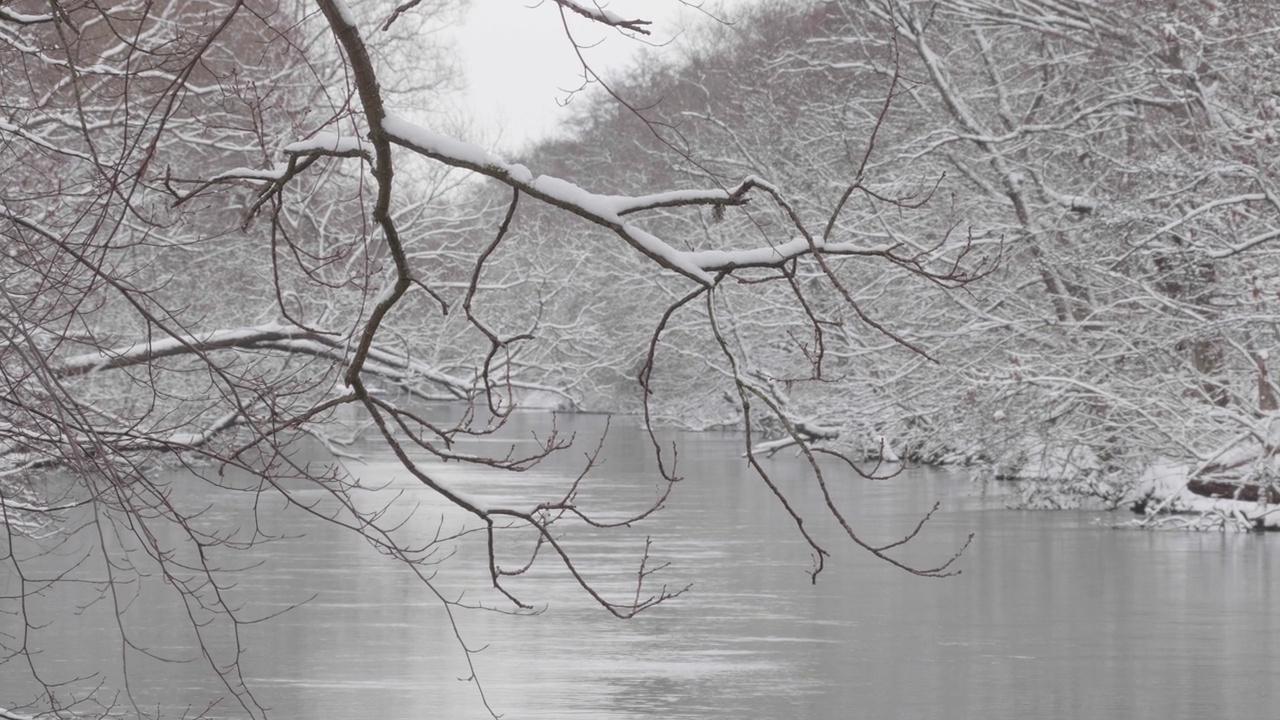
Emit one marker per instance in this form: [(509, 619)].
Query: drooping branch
[(592, 10)]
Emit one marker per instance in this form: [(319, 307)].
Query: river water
[(1055, 615)]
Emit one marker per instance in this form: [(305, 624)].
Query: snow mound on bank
[(1164, 500)]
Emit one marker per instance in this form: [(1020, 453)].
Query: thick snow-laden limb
[(593, 11), (329, 143), (151, 350), (275, 173), (609, 210), (390, 364), (606, 210), (7, 15)]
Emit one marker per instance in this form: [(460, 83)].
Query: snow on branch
[(8, 15), (41, 142), (778, 254), (1074, 203), (609, 210), (276, 173), (151, 350), (387, 128), (804, 433), (1087, 17), (560, 192), (328, 143), (389, 364), (302, 154), (592, 11), (1249, 244)]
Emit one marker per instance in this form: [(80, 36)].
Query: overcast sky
[(520, 67)]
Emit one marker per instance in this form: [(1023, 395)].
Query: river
[(1055, 615)]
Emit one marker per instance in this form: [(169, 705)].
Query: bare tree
[(220, 234), (1124, 154), (1117, 161)]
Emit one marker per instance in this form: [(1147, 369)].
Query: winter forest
[(1033, 242)]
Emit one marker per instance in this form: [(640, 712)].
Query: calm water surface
[(1056, 615)]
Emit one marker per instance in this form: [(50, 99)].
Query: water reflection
[(1054, 615)]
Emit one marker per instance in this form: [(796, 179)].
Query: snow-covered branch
[(592, 10), (7, 15), (389, 364), (605, 210)]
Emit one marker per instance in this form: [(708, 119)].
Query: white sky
[(519, 65)]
